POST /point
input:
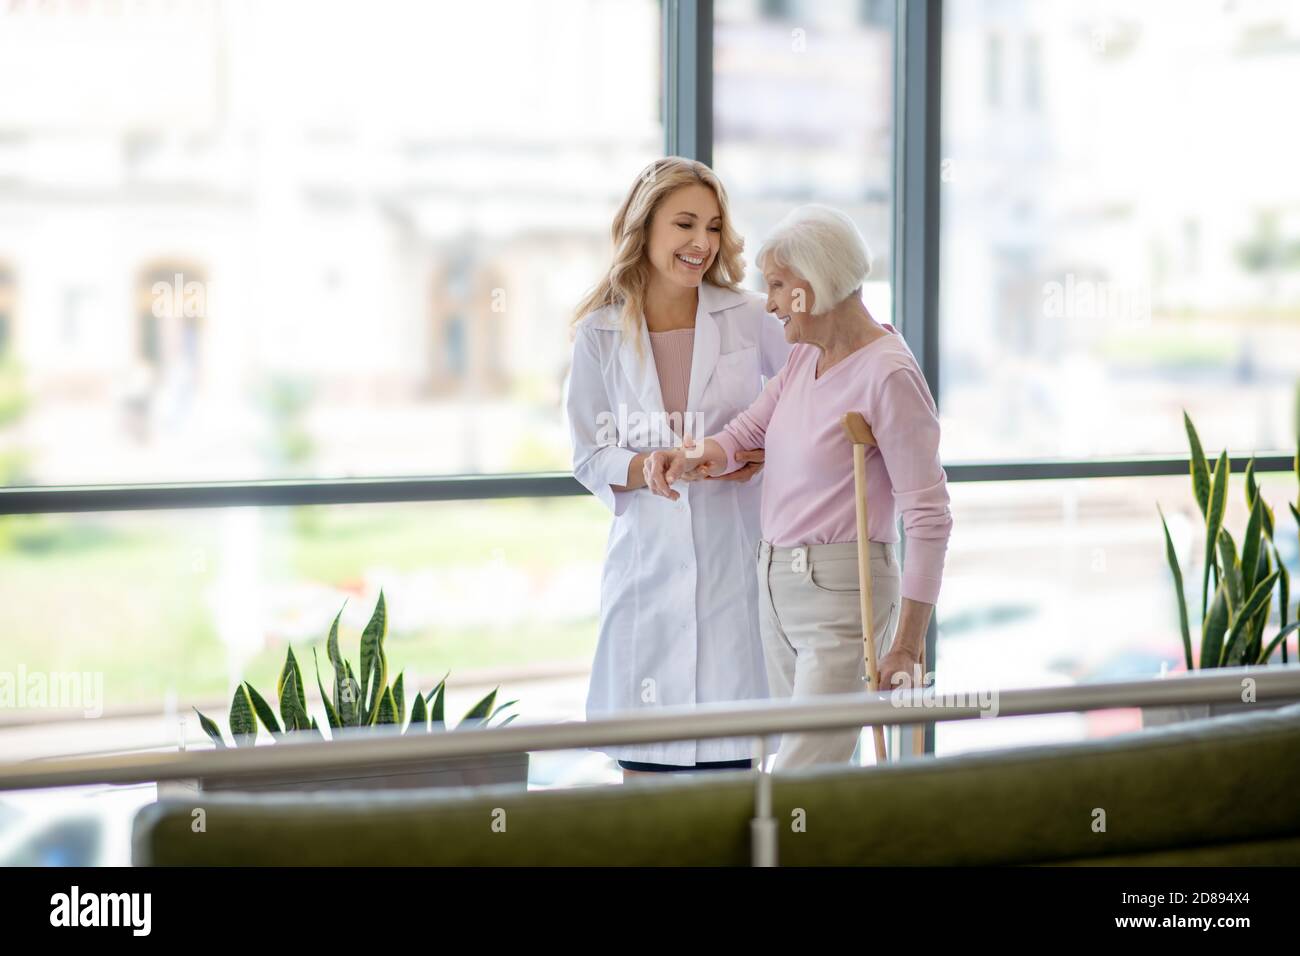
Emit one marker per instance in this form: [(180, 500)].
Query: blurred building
[(394, 220)]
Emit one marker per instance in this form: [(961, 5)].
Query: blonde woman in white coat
[(666, 346)]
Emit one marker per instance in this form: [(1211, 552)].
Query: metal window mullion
[(917, 73), (917, 64), (688, 79)]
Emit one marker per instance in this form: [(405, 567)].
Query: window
[(390, 224), (164, 609), (1128, 248), (1050, 583), (803, 112), (355, 257), (365, 265)]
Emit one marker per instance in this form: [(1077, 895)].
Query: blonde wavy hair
[(629, 274)]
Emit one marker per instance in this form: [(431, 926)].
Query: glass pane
[(118, 625), (1057, 583), (353, 255), (803, 99), (1120, 231)]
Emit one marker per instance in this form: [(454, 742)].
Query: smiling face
[(790, 299), (685, 232)]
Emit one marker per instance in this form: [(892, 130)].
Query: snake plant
[(367, 700), (1237, 585)]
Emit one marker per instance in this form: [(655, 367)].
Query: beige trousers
[(811, 623)]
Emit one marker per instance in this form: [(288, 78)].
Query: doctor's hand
[(688, 463), (754, 458)]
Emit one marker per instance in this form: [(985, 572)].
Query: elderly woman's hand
[(690, 462), (900, 669), (900, 666)]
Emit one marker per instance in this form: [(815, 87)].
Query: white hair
[(823, 247)]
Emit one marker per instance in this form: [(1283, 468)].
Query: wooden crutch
[(859, 433)]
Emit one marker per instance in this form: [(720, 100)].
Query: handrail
[(750, 719)]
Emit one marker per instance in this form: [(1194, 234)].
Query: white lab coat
[(678, 598)]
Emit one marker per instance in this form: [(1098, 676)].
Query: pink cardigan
[(808, 495)]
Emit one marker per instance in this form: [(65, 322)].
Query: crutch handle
[(857, 429)]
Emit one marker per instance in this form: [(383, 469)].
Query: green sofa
[(1213, 792)]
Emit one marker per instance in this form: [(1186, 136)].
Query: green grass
[(1202, 339), (130, 595), (531, 533)]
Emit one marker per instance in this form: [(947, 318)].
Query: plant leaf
[(1252, 493), (293, 713), (243, 723), (263, 710), (1283, 586), (374, 663), (1261, 619), (332, 643), (349, 694), (291, 668), (1199, 468), (419, 715), (399, 698), (438, 686), (1250, 548), (386, 713), (1231, 568), (1278, 638), (211, 729), (501, 707), (331, 715), (481, 710), (379, 688), (1172, 557), (437, 720), (1213, 627), (288, 696), (1214, 521), (1234, 651)]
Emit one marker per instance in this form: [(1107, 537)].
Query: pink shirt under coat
[(673, 352)]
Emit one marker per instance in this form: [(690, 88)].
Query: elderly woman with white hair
[(842, 360)]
